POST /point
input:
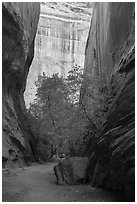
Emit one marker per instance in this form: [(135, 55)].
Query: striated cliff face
[(19, 25), (110, 54), (60, 41)]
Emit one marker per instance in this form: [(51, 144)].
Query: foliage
[(68, 113), (57, 113), (74, 82), (93, 97)]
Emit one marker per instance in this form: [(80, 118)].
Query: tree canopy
[(63, 117)]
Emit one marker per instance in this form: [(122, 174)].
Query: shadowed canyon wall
[(19, 25), (60, 41), (110, 54)]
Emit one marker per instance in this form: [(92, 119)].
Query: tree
[(74, 82), (69, 111), (56, 109)]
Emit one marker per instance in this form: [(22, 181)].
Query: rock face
[(19, 25), (60, 41), (110, 54)]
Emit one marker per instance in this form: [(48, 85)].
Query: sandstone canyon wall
[(110, 54), (19, 25), (60, 41)]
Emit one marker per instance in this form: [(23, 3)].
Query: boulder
[(71, 170)]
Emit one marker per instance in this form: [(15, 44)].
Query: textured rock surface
[(60, 41), (71, 170), (110, 54), (19, 25)]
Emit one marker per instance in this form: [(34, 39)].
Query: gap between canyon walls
[(109, 59), (60, 41)]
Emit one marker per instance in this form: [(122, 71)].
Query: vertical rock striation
[(60, 41), (19, 25), (110, 54)]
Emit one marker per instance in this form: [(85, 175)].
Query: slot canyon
[(68, 101)]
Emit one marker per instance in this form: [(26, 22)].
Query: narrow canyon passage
[(68, 99), (37, 183)]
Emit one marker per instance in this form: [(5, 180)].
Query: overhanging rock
[(19, 25)]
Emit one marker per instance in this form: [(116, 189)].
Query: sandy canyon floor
[(37, 183)]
